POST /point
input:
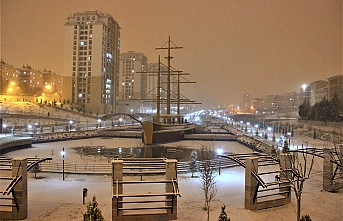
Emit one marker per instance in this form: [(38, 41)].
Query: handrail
[(10, 187)]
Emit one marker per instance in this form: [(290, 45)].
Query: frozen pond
[(117, 147)]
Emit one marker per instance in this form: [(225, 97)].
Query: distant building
[(91, 61), (30, 80), (304, 94), (153, 85), (335, 86), (289, 103), (8, 78), (276, 104), (257, 105), (132, 82), (246, 105), (51, 82), (318, 91)]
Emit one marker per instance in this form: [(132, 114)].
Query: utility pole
[(168, 76)]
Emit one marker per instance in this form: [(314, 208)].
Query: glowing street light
[(304, 86), (99, 121), (63, 153), (219, 151), (4, 126), (71, 123)]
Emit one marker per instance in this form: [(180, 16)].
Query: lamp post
[(71, 123), (220, 151), (4, 128), (63, 153), (99, 121)]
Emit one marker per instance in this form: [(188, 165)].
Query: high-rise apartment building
[(152, 85), (133, 84), (91, 61)]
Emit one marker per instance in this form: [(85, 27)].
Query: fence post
[(286, 164), (251, 184), (19, 168), (171, 174), (117, 189)]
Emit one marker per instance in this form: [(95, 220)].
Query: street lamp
[(63, 153), (4, 126), (29, 127), (219, 151), (120, 119), (71, 123), (99, 121), (304, 86)]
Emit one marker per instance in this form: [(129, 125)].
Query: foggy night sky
[(230, 47)]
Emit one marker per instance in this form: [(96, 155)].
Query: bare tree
[(296, 172), (207, 177)]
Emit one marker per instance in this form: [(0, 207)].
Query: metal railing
[(106, 168)]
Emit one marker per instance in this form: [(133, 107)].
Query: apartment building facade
[(133, 83), (8, 79), (91, 61)]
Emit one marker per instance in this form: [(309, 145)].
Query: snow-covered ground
[(49, 198)]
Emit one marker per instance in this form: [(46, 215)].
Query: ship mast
[(168, 76)]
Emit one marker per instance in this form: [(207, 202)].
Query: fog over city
[(230, 48)]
